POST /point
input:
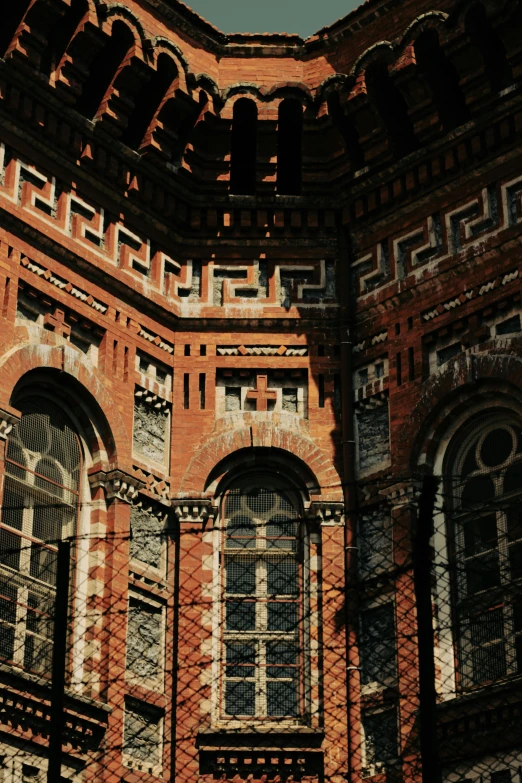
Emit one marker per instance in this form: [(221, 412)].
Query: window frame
[(260, 636)]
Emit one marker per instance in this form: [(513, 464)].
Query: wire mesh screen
[(218, 651)]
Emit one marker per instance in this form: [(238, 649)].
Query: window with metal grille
[(486, 528), (262, 607), (40, 504)]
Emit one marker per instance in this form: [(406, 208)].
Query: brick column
[(403, 498), (331, 642), (193, 708), (107, 601)]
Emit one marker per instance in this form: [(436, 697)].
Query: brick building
[(253, 290)]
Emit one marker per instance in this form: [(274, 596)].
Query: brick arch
[(445, 395), (265, 435), (70, 362)]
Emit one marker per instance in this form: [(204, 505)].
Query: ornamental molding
[(118, 484), (8, 418), (327, 513), (197, 510)]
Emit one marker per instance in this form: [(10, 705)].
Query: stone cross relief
[(262, 394), (56, 323)]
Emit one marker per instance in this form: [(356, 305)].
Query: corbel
[(328, 513), (9, 417), (118, 484)]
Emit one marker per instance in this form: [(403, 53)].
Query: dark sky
[(272, 16)]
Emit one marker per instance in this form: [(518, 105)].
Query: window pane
[(38, 655), (282, 577), (49, 521), (515, 560), (261, 501), (380, 734), (480, 534), (281, 532), (497, 447), (240, 659), (478, 491), (241, 533), (378, 644), (10, 545), (43, 564), (13, 505), (281, 698), (240, 576), (482, 573), (285, 653), (240, 698), (282, 616), (241, 616)]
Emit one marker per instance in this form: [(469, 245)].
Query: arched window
[(289, 147), (243, 152), (262, 584), (484, 485), (392, 108), (149, 100), (61, 35), (40, 506), (490, 46), (104, 69), (13, 15), (443, 79)]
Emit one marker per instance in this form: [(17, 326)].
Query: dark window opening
[(443, 79), (243, 152), (202, 395), (411, 364), (13, 14), (289, 147), (149, 100), (187, 350), (186, 391), (348, 132), (202, 350), (61, 36), (104, 69), (392, 108), (488, 42), (398, 364), (320, 383)]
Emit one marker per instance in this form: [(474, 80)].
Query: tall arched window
[(40, 506), (262, 588), (289, 147), (104, 69), (243, 152), (485, 519)]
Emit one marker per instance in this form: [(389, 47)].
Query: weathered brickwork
[(208, 316)]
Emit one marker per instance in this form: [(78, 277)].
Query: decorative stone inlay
[(118, 485), (327, 513), (8, 418)]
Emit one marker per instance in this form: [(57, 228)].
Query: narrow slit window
[(186, 391), (243, 152), (320, 384), (289, 148), (202, 385)]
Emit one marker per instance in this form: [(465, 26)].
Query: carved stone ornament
[(327, 513), (8, 418), (118, 484), (194, 509)]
